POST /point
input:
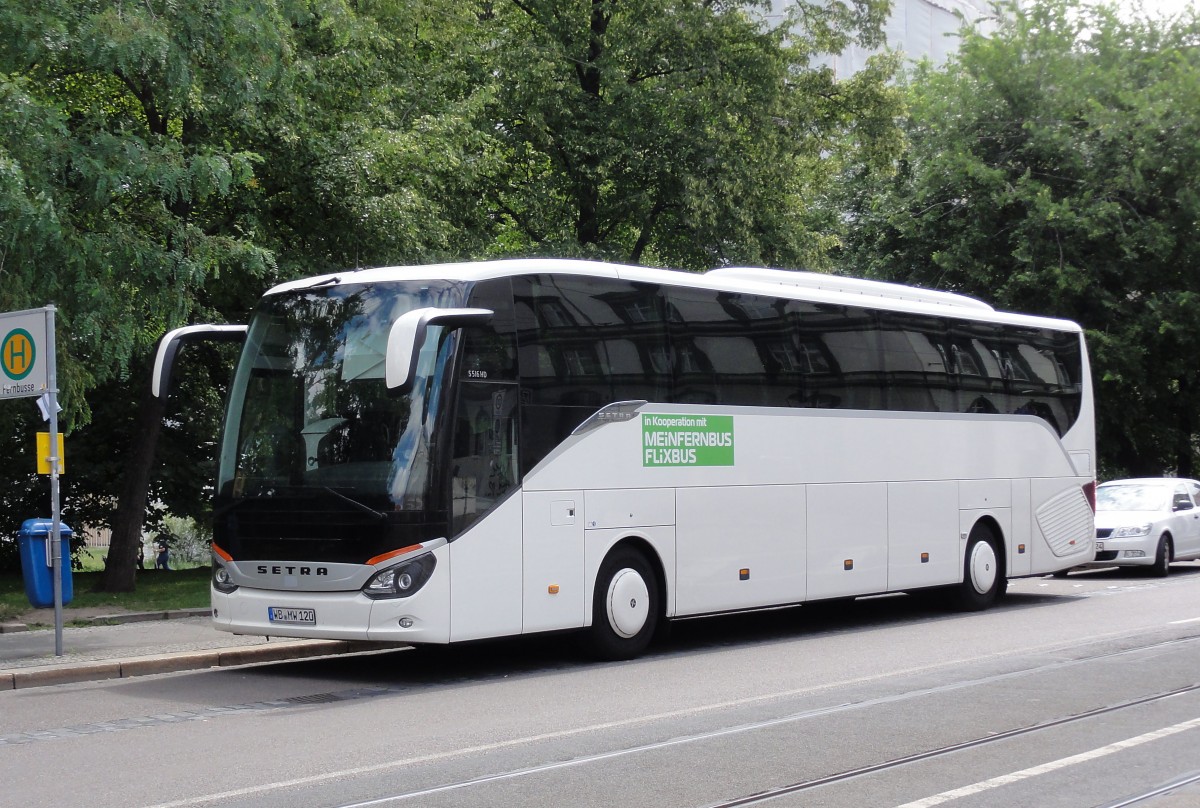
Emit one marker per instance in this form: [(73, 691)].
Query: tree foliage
[(164, 161), (115, 170), (1052, 168), (672, 131)]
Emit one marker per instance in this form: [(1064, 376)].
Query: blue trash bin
[(35, 567)]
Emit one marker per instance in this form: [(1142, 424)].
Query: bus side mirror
[(407, 337), (169, 345)]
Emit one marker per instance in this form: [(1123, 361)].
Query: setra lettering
[(286, 569)]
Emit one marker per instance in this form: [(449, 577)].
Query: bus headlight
[(401, 580), (221, 580)]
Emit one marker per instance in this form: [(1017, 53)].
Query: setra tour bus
[(442, 453)]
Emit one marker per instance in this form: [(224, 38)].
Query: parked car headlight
[(1132, 531)]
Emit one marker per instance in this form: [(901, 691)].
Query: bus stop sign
[(23, 367)]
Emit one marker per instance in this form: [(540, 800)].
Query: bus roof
[(797, 285)]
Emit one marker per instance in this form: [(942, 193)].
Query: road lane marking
[(1054, 765), (1181, 622), (450, 754)]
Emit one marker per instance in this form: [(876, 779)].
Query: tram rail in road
[(774, 793)]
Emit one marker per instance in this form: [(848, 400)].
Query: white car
[(1147, 522)]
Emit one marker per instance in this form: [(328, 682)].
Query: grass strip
[(155, 590)]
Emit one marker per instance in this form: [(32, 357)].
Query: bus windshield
[(310, 414)]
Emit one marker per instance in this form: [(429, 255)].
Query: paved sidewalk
[(143, 643)]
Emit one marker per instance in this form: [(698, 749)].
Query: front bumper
[(1138, 551), (338, 615)]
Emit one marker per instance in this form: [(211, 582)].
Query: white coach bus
[(443, 453)]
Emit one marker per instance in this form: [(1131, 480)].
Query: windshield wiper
[(357, 505), (349, 500)]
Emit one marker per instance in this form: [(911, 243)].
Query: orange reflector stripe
[(221, 553), (385, 556)]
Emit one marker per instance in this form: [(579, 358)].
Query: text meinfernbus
[(444, 453)]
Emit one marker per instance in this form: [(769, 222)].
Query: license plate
[(280, 614), (1099, 546)]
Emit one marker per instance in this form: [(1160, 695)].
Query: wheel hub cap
[(628, 603), (983, 567)]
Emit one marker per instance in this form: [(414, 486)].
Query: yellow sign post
[(43, 454)]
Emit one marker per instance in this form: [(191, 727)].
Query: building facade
[(918, 28)]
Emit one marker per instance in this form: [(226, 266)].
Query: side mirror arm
[(407, 337), (168, 347)]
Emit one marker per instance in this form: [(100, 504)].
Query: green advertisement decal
[(687, 440)]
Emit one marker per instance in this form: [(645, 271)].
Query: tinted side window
[(590, 341), (1040, 371), (715, 342), (916, 359), (483, 468), (584, 343), (976, 370), (489, 351), (846, 343)]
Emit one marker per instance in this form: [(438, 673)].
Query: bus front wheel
[(625, 606), (983, 574)]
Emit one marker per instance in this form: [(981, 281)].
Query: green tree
[(115, 173), (171, 160), (674, 131), (369, 160), (163, 162), (1052, 167)]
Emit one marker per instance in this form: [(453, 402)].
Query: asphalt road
[(1074, 692)]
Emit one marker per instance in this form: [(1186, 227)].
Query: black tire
[(1162, 557), (626, 607), (983, 575)]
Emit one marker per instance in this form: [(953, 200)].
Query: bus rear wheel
[(625, 607), (983, 574)]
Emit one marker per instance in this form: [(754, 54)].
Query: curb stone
[(94, 671), (117, 619)]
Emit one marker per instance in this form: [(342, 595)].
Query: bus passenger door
[(485, 513), (552, 561)]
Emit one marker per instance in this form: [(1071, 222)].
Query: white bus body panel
[(727, 530), (1020, 541), (923, 534), (807, 487), (847, 539), (553, 558), (1063, 524), (646, 507), (485, 576)]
